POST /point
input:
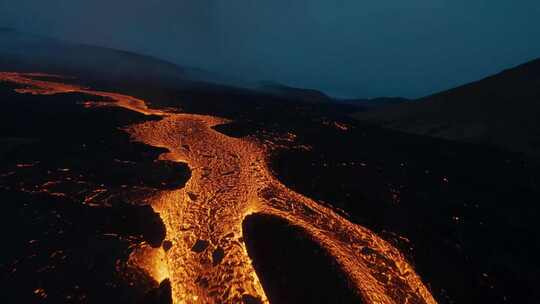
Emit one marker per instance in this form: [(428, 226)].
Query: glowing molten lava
[(207, 261)]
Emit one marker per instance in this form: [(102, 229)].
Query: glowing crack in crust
[(207, 261)]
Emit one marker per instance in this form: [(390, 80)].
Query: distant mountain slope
[(22, 51), (374, 102), (315, 96), (30, 53), (503, 109), (305, 95)]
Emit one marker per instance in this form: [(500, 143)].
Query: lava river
[(208, 261)]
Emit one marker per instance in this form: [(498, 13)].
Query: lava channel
[(231, 180)]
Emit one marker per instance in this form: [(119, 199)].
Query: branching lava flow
[(230, 180)]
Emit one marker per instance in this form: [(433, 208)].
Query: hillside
[(33, 53), (28, 52), (371, 103), (280, 90), (502, 110)]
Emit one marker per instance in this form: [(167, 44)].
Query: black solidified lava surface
[(61, 246), (293, 268), (465, 215)]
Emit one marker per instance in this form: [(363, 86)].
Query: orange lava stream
[(230, 180)]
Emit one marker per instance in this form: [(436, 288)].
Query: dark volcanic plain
[(464, 213), (68, 176), (71, 184)]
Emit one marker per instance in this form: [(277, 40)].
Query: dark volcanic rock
[(292, 268), (160, 295), (217, 256), (248, 299), (200, 246), (448, 206), (71, 186), (167, 245)]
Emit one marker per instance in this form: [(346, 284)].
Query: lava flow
[(207, 261)]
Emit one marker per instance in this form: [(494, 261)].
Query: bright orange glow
[(230, 180), (152, 260)]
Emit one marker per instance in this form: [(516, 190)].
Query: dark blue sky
[(363, 48)]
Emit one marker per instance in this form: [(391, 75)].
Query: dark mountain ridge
[(501, 110), (28, 52), (370, 103), (308, 95), (34, 53)]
